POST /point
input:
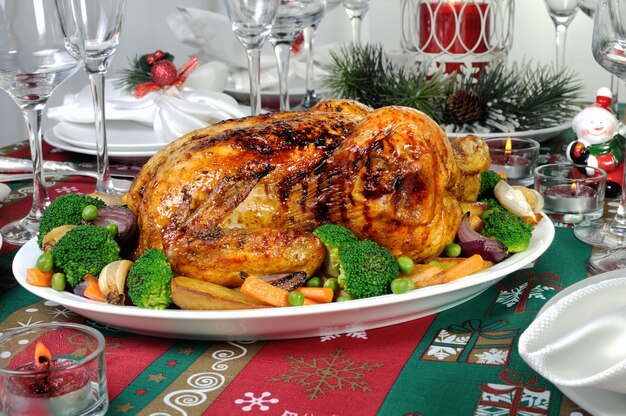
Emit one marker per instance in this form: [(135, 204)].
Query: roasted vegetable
[(83, 250), (194, 294), (65, 210), (112, 281), (149, 281), (333, 236), (509, 229)]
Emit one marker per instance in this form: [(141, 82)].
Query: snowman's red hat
[(604, 99)]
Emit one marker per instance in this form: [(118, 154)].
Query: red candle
[(438, 23)]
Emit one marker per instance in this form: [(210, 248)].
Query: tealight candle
[(52, 383), (571, 193), (514, 157)]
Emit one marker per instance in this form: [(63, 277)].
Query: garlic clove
[(112, 281), (534, 198), (107, 199), (53, 236), (513, 200)]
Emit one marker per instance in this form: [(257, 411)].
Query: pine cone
[(465, 106)]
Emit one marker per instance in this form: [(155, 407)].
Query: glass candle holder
[(451, 34), (53, 369), (516, 158), (571, 193)]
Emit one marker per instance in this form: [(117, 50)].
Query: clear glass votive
[(515, 157), (571, 193), (53, 369)]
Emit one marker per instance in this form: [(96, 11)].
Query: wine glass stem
[(310, 99), (32, 115), (355, 21), (104, 183), (561, 32), (282, 51), (254, 66)]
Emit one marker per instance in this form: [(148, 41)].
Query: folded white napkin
[(171, 113), (4, 191), (580, 340), (212, 35)]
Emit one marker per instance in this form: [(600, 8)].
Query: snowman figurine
[(598, 142)]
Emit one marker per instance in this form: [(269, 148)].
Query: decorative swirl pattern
[(227, 355)]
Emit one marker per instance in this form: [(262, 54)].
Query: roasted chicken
[(243, 195)]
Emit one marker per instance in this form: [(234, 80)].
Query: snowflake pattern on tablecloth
[(493, 356), (334, 371), (511, 297), (353, 334), (253, 401)]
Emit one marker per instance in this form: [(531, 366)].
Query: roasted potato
[(194, 294)]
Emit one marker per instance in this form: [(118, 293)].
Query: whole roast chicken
[(244, 195)]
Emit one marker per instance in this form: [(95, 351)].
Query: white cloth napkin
[(580, 340), (4, 191), (212, 35), (171, 113)]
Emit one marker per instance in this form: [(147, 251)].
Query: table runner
[(462, 361)]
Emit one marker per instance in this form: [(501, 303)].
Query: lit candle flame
[(507, 150), (573, 188), (43, 358)]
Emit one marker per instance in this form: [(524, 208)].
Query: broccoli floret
[(333, 236), (493, 204), (366, 269), (488, 181), (149, 280), (509, 229), (85, 249), (65, 210)]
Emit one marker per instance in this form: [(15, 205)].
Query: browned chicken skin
[(243, 195)]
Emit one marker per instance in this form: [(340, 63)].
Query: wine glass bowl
[(92, 29), (251, 21), (32, 64), (562, 12), (292, 17), (608, 44)]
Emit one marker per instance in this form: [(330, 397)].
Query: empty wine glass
[(33, 62), (562, 13), (609, 36), (356, 10), (310, 97), (252, 22), (292, 17), (92, 29)]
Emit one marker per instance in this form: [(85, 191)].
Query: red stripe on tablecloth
[(266, 376)]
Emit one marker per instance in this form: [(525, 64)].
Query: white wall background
[(145, 30)]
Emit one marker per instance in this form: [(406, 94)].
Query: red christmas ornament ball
[(163, 72)]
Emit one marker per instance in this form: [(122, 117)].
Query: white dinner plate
[(126, 155), (122, 135), (538, 135), (594, 401), (290, 322)]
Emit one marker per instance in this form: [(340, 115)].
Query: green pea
[(45, 263), (435, 263), (332, 283), (401, 285), (453, 250), (296, 298), (58, 282), (314, 282), (405, 264), (486, 214), (90, 213), (343, 298), (112, 228), (342, 281)]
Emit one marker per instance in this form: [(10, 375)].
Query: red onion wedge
[(472, 242)]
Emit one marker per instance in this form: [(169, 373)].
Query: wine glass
[(609, 38), (33, 62), (252, 22), (562, 13), (356, 10), (310, 97), (292, 17), (92, 29), (588, 7)]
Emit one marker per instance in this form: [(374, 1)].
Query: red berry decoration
[(158, 55), (164, 72), (150, 59)]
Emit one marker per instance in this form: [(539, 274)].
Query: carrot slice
[(265, 292), (93, 291), (318, 294), (36, 277), (464, 268)]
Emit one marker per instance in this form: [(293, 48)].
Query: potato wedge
[(194, 294), (424, 275)]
